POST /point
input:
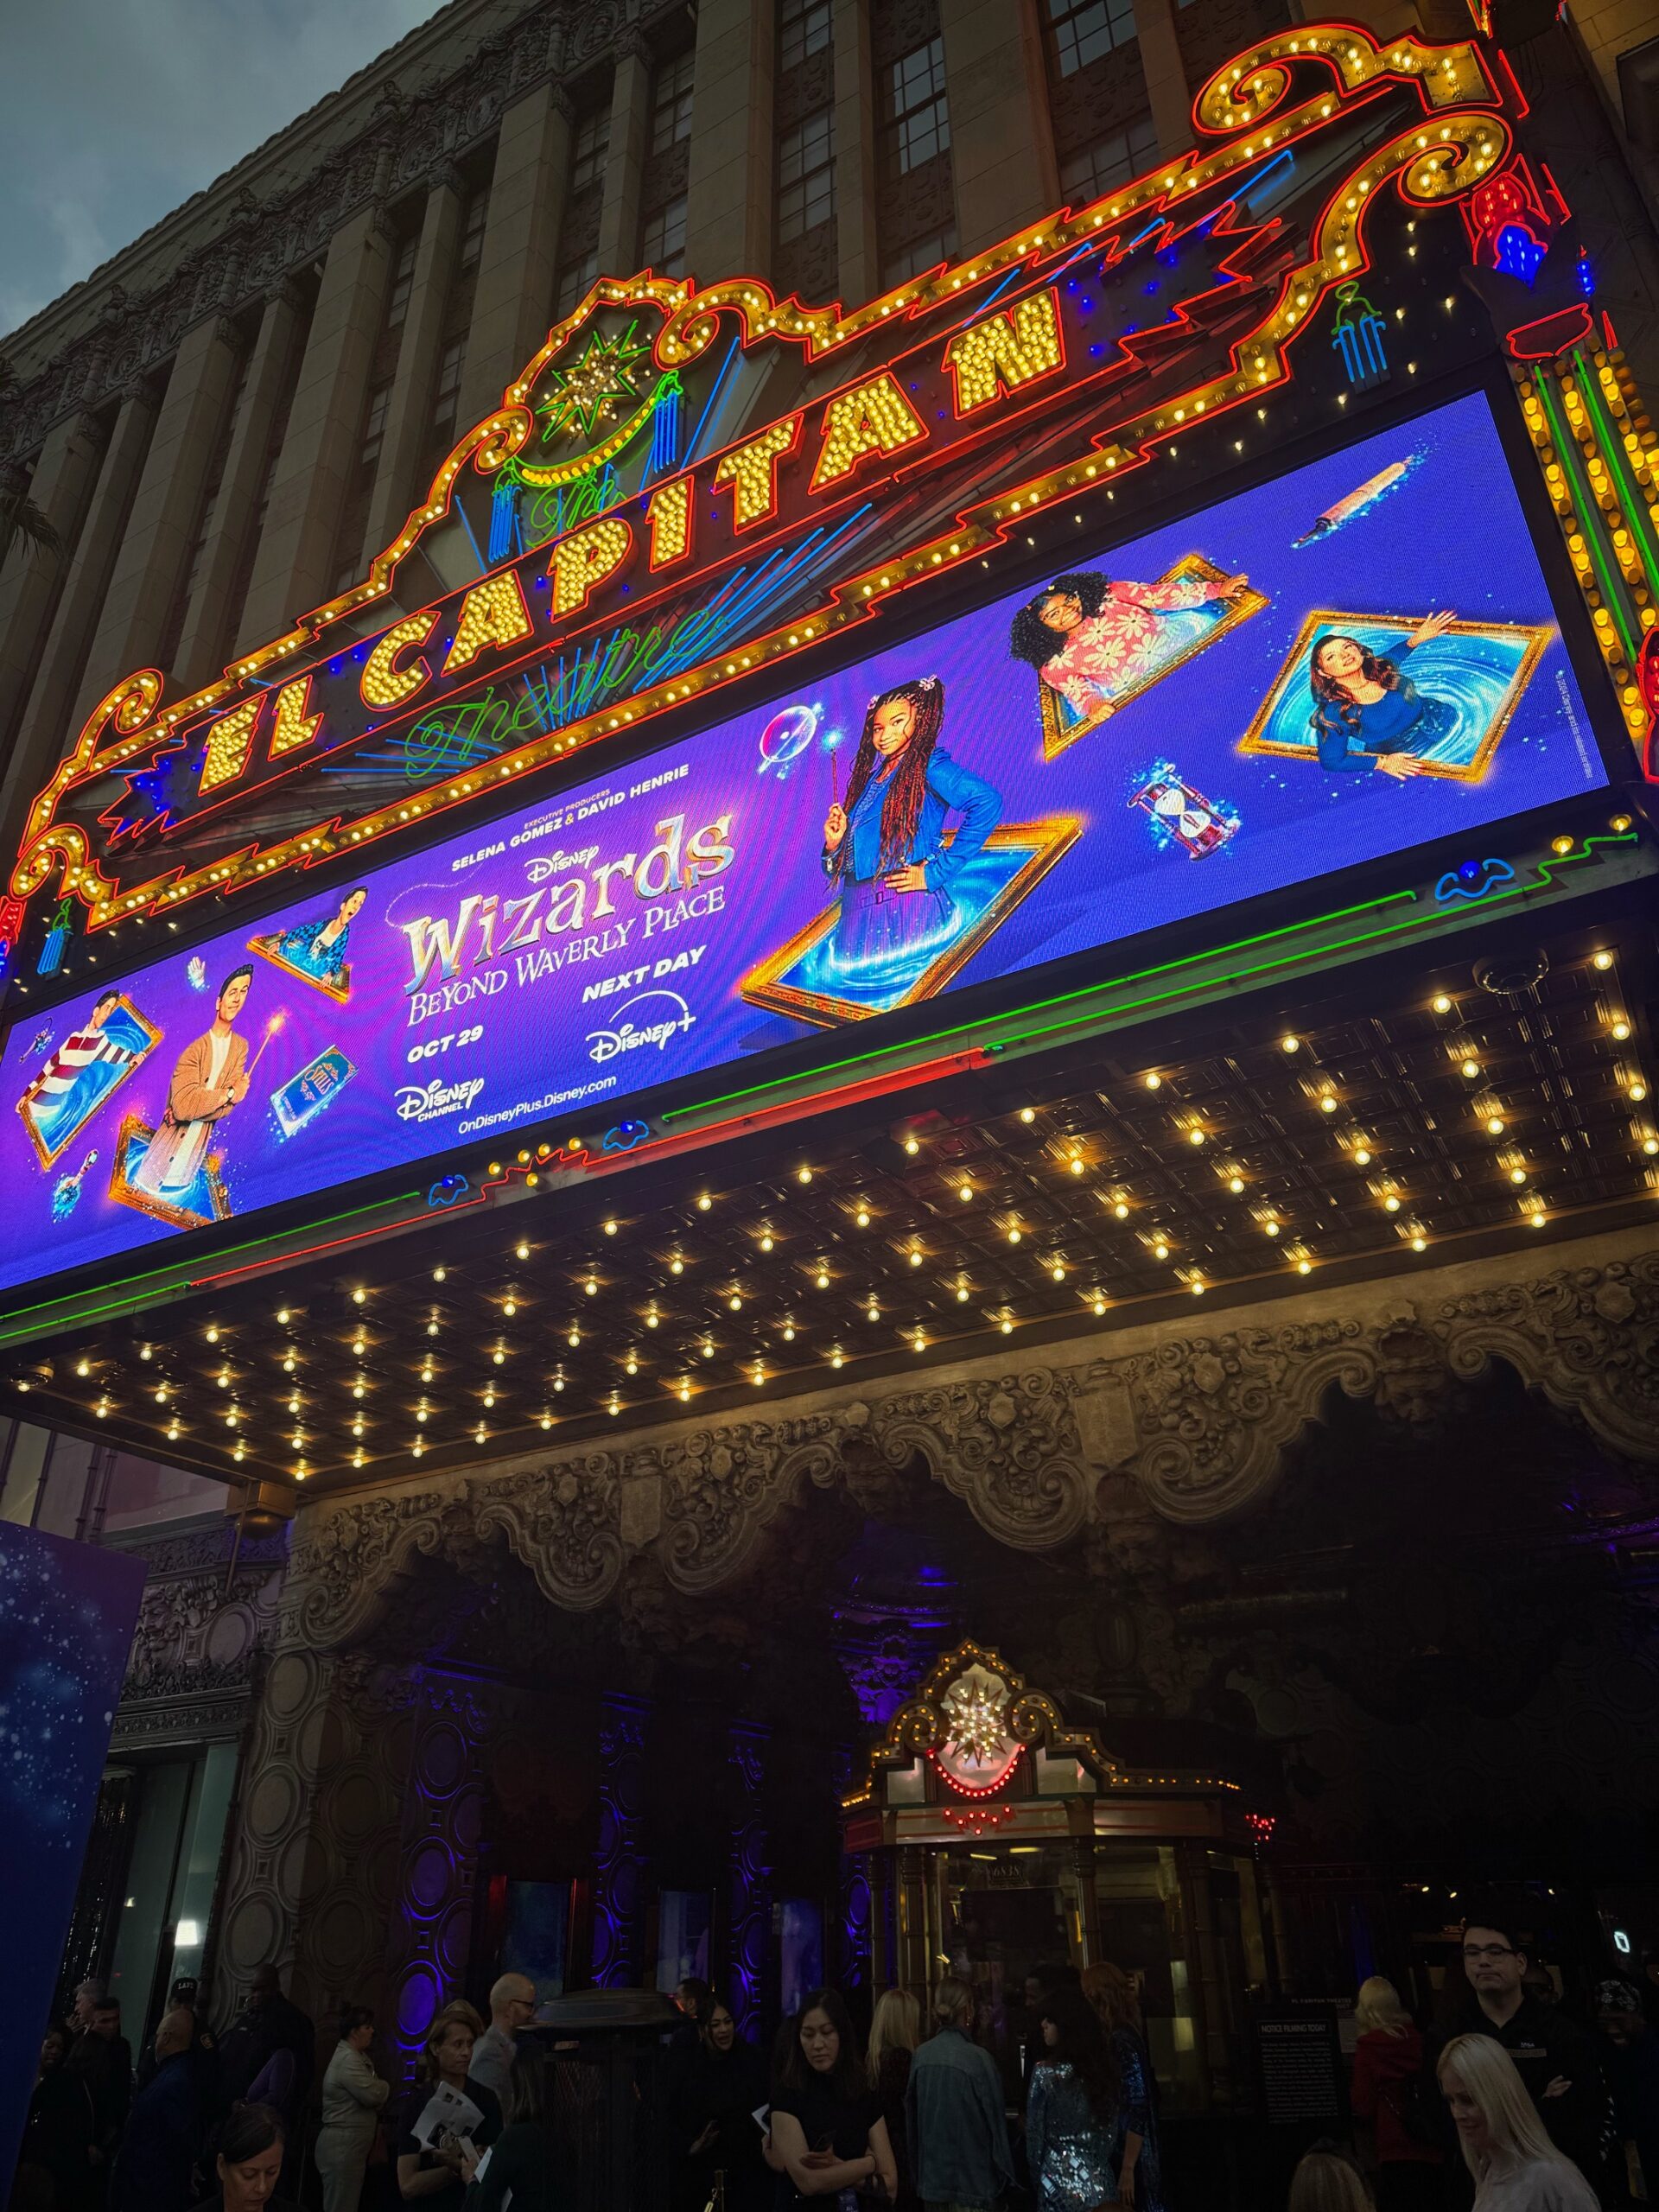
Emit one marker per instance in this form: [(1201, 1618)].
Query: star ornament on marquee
[(587, 394), (976, 1751)]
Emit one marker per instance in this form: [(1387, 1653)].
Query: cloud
[(118, 110)]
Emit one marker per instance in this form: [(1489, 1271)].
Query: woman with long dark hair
[(320, 948), (1368, 717), (1072, 2119), (1140, 2167), (528, 2155), (885, 849), (1091, 637), (827, 2133), (711, 2112)]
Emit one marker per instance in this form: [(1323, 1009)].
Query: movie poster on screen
[(1338, 666)]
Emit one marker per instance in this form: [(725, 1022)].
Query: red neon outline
[(492, 582), (991, 1790), (777, 456), (1007, 391), (844, 402), (685, 485), (417, 645), (281, 691)]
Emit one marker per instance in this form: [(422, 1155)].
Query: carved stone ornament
[(1165, 1429)]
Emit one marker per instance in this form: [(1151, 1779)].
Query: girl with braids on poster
[(886, 848)]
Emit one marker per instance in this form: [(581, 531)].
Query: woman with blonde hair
[(1140, 2167), (1328, 2181), (895, 2031), (435, 2169), (1516, 2166), (1388, 2062)]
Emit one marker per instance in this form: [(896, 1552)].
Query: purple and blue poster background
[(66, 1617), (1169, 758)]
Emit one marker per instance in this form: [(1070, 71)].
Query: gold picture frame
[(47, 1154), (1192, 568), (267, 947), (1047, 841), (1532, 636), (123, 1193)]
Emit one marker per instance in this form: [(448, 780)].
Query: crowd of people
[(1506, 2103)]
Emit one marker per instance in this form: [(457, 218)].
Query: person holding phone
[(827, 2135)]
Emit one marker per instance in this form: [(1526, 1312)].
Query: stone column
[(166, 509), (1167, 94), (1001, 143), (31, 583), (203, 646), (619, 1861), (47, 731), (514, 300), (395, 489), (619, 222), (750, 1877), (315, 1865), (856, 126), (292, 569), (729, 184), (431, 1937)]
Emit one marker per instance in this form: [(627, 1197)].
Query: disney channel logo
[(430, 1102), (628, 1036)]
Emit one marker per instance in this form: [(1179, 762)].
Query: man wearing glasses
[(1555, 2059), (512, 2008)]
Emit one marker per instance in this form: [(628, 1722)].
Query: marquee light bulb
[(1155, 1083), (1014, 1236), (915, 1259), (522, 1250), (1099, 1305), (591, 1287), (1078, 1165), (610, 1228), (961, 1293), (704, 1203), (1057, 1271), (1442, 1004), (676, 1266), (862, 1218), (1494, 1125), (707, 1349), (685, 1394), (789, 1332), (1236, 1184), (146, 1352), (1122, 1210), (1638, 1090), (1027, 1114), (359, 1296), (767, 1243), (652, 1318), (1304, 1267), (1006, 1325), (735, 1303), (837, 1358), (804, 1175), (510, 1308), (911, 1145), (1290, 1044), (283, 1316), (1620, 1028), (213, 1334), (1160, 1251), (822, 1278), (438, 1273)]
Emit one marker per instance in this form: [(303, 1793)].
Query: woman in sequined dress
[(1140, 2168), (1072, 2119)]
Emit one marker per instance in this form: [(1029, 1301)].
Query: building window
[(926, 253), (662, 245), (573, 281), (446, 393), (590, 148), (806, 175), (402, 280), (1085, 29), (477, 215), (670, 104), (1110, 160), (918, 122), (804, 28)]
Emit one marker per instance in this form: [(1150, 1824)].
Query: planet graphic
[(786, 736)]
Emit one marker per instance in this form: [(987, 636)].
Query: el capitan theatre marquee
[(1139, 575)]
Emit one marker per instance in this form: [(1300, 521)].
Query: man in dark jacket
[(102, 2057), (154, 2166), (1555, 2059)]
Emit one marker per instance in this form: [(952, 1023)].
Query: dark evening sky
[(118, 110)]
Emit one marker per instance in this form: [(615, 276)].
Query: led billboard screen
[(1338, 665)]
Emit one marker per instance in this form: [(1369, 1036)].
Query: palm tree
[(21, 522)]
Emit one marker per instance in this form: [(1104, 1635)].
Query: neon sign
[(1030, 373)]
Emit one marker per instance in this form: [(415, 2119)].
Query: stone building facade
[(1245, 1535)]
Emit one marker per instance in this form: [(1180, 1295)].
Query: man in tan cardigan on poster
[(209, 1077)]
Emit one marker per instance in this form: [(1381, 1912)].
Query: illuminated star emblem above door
[(584, 397)]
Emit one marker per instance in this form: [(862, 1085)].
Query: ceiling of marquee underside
[(1077, 1193)]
